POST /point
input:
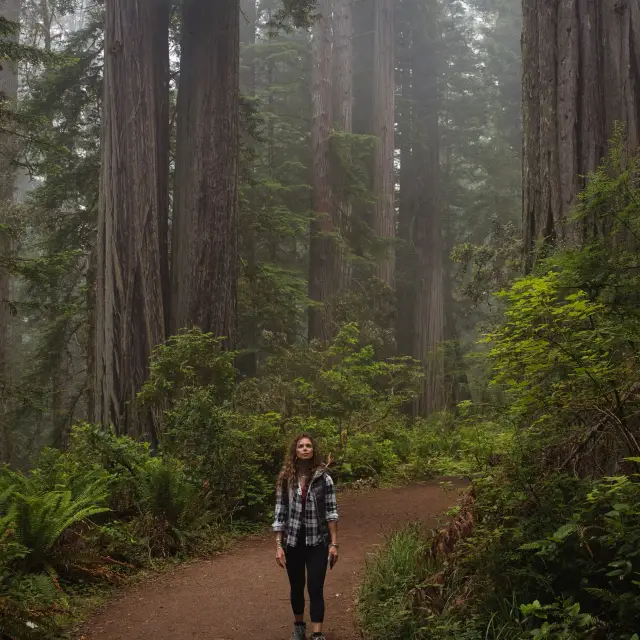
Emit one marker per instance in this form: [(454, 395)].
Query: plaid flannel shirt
[(289, 517)]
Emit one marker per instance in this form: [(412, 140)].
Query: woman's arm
[(281, 514), (280, 525), (331, 509), (333, 531), (331, 504)]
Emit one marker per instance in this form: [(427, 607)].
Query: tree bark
[(248, 335), (10, 10), (406, 276), (205, 223), (429, 305), (324, 258), (581, 74), (383, 129), (343, 119), (362, 42), (132, 221)]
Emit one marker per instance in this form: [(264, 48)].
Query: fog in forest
[(406, 227)]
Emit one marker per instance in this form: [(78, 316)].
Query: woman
[(306, 526)]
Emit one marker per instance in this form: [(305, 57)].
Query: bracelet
[(278, 544), (334, 544)]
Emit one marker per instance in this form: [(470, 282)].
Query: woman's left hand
[(333, 553)]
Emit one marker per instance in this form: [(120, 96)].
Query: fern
[(41, 518)]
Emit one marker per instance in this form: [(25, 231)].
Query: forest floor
[(242, 594)]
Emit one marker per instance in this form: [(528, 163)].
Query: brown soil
[(243, 595)]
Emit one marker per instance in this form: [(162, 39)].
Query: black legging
[(315, 560)]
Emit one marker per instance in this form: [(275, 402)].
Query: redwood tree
[(10, 11), (406, 259), (324, 259), (342, 114), (132, 226), (428, 326), (581, 74), (204, 233), (383, 126)]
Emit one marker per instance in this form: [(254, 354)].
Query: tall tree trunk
[(90, 297), (406, 276), (363, 29), (342, 118), (10, 10), (248, 24), (324, 259), (429, 307), (384, 224), (247, 362), (205, 222), (362, 87), (581, 74), (132, 222)]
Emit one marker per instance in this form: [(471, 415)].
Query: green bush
[(95, 453), (232, 438), (346, 383), (558, 559), (555, 548), (155, 509), (173, 511), (453, 445), (29, 604), (107, 504), (233, 457), (387, 595), (187, 361)]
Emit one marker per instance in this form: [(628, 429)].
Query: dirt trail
[(242, 595)]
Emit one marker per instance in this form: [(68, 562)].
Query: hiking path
[(241, 594)]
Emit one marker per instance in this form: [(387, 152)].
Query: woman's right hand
[(281, 559)]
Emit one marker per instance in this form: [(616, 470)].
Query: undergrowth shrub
[(232, 438), (453, 444), (554, 546), (387, 595), (564, 565), (108, 505), (40, 518), (234, 457), (33, 525)]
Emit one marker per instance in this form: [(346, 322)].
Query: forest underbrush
[(88, 518), (547, 544)]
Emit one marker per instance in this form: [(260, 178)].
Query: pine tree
[(275, 203), (58, 302)]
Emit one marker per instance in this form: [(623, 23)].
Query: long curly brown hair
[(289, 474)]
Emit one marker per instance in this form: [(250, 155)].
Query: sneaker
[(299, 632)]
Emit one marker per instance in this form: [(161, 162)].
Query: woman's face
[(304, 449)]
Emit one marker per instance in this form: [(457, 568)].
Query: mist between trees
[(408, 227), (263, 172)]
